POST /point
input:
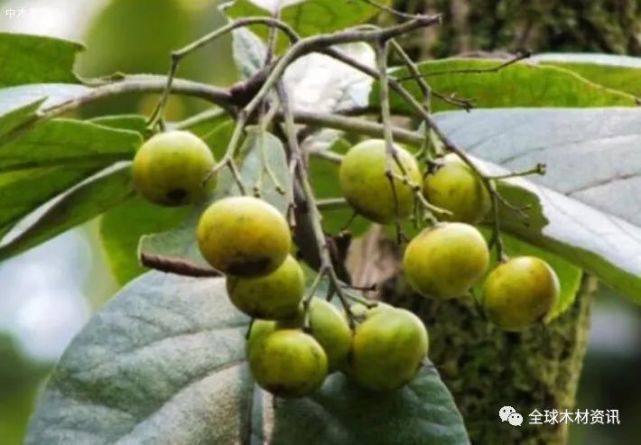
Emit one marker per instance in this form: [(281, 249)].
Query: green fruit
[(329, 327), (520, 292), (169, 168), (289, 363), (446, 260), (380, 307), (243, 236), (455, 187), (368, 190), (273, 296), (387, 350), (260, 330), (361, 311)]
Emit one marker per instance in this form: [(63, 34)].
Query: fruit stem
[(448, 144), (228, 158), (382, 53), (311, 292), (538, 169), (332, 204), (424, 87), (302, 179)]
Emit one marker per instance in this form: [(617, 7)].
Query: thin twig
[(332, 204), (488, 183), (538, 169), (178, 266), (390, 150), (322, 244), (494, 69), (157, 116)]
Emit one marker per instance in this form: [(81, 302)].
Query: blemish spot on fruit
[(177, 195), (249, 267)]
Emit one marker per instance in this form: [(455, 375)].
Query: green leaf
[(53, 156), (218, 137), (586, 207), (616, 72), (24, 191), (133, 122), (122, 227), (325, 182), (82, 203), (249, 52), (66, 142), (309, 17), (343, 414), (164, 362), (214, 126), (13, 98), (178, 242), (263, 152), (35, 59), (14, 118), (519, 85)]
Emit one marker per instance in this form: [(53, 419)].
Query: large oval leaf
[(163, 363), (586, 207), (613, 71), (81, 203), (307, 17), (518, 85)]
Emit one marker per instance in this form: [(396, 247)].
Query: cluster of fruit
[(292, 345), (449, 258), (295, 341)]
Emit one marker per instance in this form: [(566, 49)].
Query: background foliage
[(564, 83)]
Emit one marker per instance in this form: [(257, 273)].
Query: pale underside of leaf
[(590, 194), (163, 363)]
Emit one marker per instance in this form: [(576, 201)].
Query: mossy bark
[(486, 368), (546, 25)]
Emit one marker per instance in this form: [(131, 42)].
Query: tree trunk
[(546, 25), (484, 367)]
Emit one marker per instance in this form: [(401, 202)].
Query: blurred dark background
[(43, 303)]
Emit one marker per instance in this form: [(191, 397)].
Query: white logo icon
[(515, 419), (509, 415), (505, 412)]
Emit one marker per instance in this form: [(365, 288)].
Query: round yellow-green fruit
[(243, 236), (273, 296), (455, 187), (170, 168), (520, 292), (329, 327), (259, 331), (387, 350), (289, 363), (366, 187), (380, 307), (362, 311), (446, 261)]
